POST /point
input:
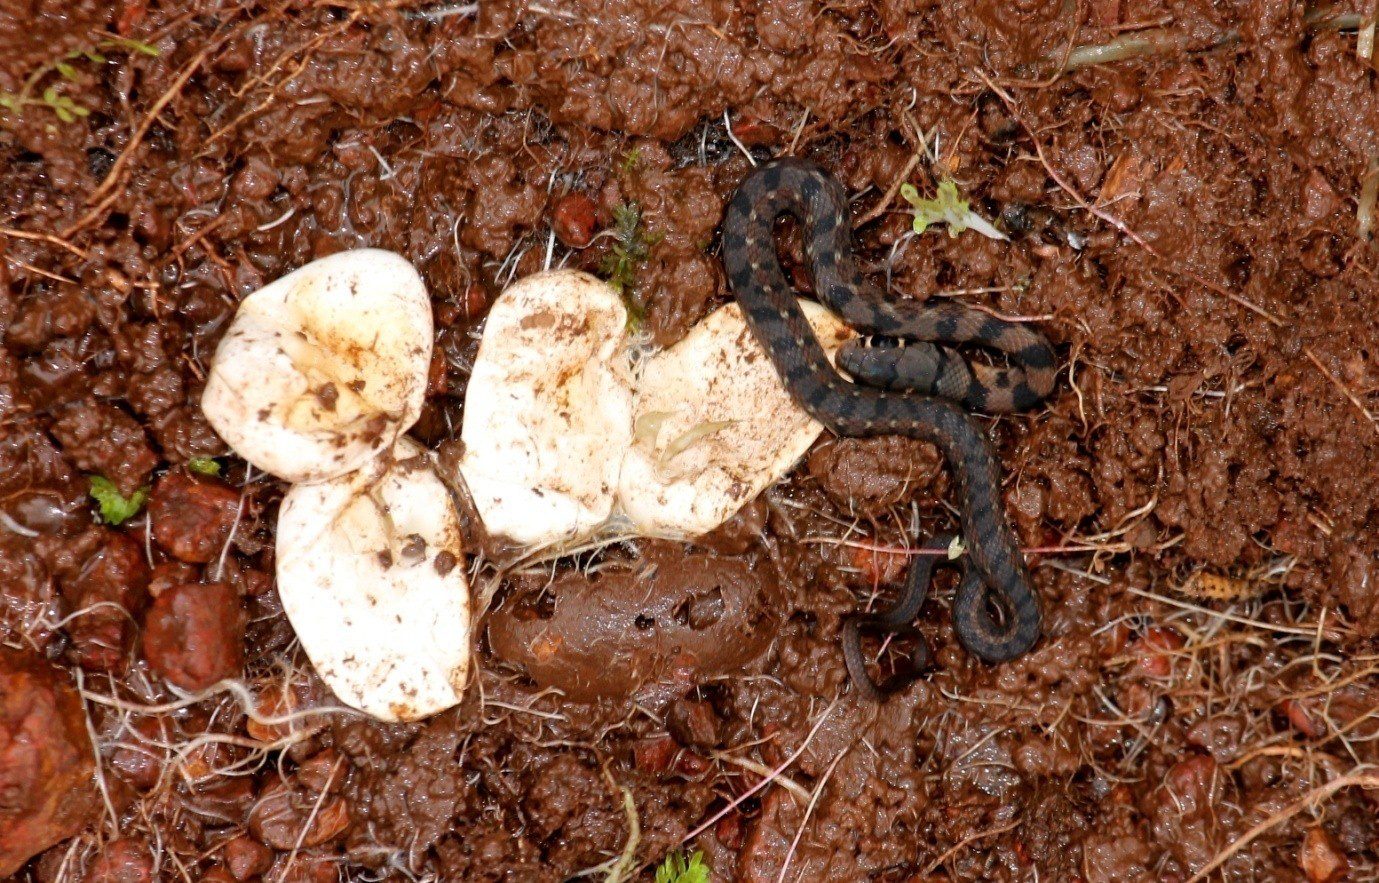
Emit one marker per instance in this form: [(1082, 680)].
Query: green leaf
[(204, 465), (621, 262), (93, 55), (617, 268), (66, 109), (9, 101), (626, 217), (66, 70), (676, 869), (947, 207), (636, 316), (115, 508), (135, 45)]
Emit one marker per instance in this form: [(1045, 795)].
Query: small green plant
[(204, 466), (678, 869), (631, 160), (947, 208), (62, 106), (65, 108), (115, 507), (632, 247)]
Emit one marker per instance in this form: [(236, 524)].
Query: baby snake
[(917, 390), (896, 621)]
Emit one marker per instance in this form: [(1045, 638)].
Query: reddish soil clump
[(575, 219), (669, 619), (104, 598), (1322, 859), (47, 788), (284, 816), (246, 858), (192, 516), (122, 861), (194, 635)]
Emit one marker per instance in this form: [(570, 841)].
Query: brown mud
[(1184, 226)]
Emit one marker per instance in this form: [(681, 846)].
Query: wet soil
[(1183, 226)]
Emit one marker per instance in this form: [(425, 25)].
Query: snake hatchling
[(918, 390)]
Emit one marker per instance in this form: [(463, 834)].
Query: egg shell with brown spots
[(324, 368), (371, 575)]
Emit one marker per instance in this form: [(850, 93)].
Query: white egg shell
[(714, 426), (548, 410), (324, 368), (372, 578)]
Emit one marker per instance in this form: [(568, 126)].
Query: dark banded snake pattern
[(919, 389)]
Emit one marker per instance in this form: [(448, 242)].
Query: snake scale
[(917, 389)]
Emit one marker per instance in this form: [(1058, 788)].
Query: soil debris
[(1188, 193), (46, 760), (194, 635)]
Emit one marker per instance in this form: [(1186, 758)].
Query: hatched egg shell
[(548, 410), (371, 576), (714, 425), (325, 367)]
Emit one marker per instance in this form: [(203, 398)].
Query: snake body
[(896, 620), (917, 390)]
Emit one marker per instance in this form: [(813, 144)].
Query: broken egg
[(324, 368), (370, 572), (548, 409), (562, 437), (714, 426)]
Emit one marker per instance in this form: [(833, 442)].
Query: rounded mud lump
[(192, 517), (122, 861), (668, 616), (111, 584), (47, 788), (194, 635)]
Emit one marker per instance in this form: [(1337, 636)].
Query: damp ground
[(1185, 186)]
